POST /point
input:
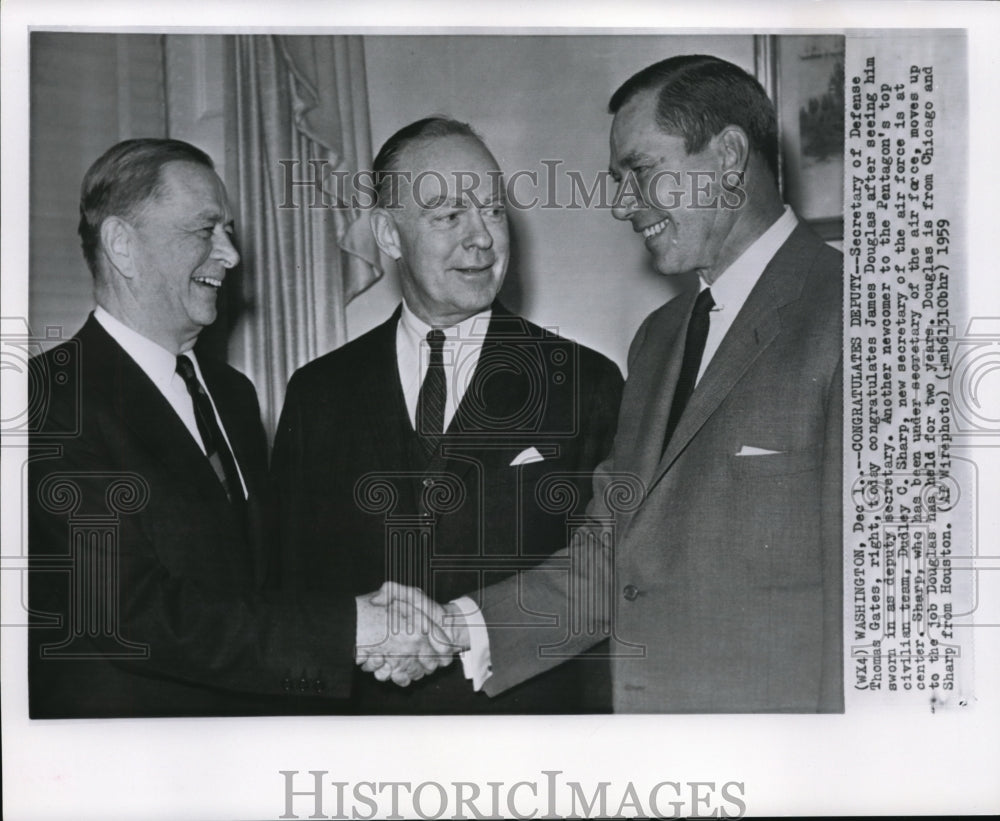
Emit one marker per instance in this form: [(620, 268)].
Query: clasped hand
[(402, 634)]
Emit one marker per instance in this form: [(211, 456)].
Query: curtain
[(301, 108)]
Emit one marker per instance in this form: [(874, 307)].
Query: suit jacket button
[(318, 686), (286, 684), (631, 592), (303, 684)]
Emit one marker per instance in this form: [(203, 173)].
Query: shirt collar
[(734, 284), (157, 362), (474, 327)]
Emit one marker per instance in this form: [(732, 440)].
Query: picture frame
[(804, 75)]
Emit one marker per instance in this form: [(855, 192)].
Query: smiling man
[(171, 259), (420, 452), (147, 533), (726, 574)]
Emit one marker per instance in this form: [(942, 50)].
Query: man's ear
[(386, 233), (733, 146), (116, 242)]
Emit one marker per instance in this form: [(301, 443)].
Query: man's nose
[(626, 201), (477, 233), (224, 249)]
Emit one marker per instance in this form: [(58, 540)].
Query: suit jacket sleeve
[(600, 419), (291, 451)]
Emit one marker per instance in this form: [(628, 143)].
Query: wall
[(533, 98), (88, 91)]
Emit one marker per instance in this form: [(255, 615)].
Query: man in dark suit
[(723, 592), (438, 449), (148, 532)]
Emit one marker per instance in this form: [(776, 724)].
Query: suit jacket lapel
[(754, 328), (383, 400), (235, 425), (504, 397), (241, 422), (142, 408), (656, 379)]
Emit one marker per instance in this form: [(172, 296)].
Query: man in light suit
[(723, 590), (148, 531), (438, 467)]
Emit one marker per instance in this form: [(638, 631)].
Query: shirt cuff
[(476, 660)]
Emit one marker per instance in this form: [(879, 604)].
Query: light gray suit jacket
[(717, 575)]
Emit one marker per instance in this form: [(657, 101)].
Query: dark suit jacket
[(359, 506), (144, 584), (726, 573)]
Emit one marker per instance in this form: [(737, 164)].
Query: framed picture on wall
[(805, 75)]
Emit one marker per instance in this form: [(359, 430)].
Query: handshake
[(403, 634)]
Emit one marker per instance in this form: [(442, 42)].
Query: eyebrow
[(632, 158), (437, 202), (210, 215), (471, 202), (214, 217)]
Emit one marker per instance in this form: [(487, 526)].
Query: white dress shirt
[(161, 367), (463, 343), (732, 287), (729, 291)]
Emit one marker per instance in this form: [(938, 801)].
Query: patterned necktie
[(219, 455), (694, 348), (430, 401)]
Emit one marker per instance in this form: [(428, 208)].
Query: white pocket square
[(526, 457), (748, 450)]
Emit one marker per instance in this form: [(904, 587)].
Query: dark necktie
[(219, 455), (694, 348), (430, 401)]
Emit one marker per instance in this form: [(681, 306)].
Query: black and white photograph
[(406, 419)]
